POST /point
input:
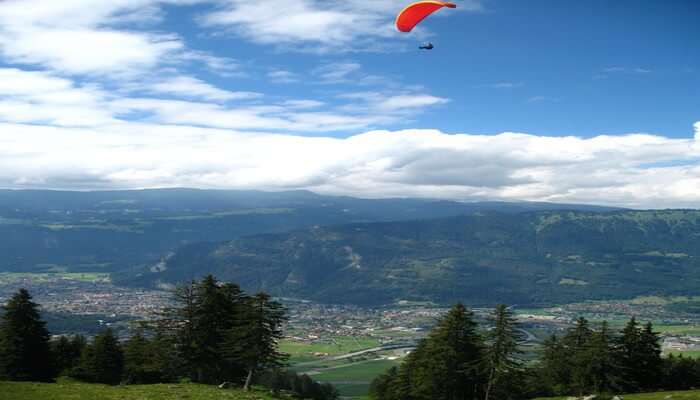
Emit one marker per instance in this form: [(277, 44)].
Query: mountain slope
[(525, 258), (110, 230)]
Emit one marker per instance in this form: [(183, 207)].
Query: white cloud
[(189, 87), (282, 76), (315, 25), (293, 116), (43, 98), (219, 65), (82, 51), (39, 97), (85, 36), (412, 101), (391, 103), (338, 72), (302, 104), (506, 85), (627, 70), (510, 166)]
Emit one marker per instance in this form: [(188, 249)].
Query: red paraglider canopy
[(412, 15)]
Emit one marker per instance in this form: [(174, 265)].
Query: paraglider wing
[(412, 15)]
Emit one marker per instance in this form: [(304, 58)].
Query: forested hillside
[(525, 258)]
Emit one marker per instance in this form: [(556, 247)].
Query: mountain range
[(525, 258), (109, 231)]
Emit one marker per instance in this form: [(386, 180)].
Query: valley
[(346, 345), (363, 280)]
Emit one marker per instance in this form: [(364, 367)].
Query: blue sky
[(565, 101), (565, 67)]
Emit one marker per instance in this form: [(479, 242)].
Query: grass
[(304, 351), (352, 380), (68, 390), (692, 394), (363, 371), (687, 353)]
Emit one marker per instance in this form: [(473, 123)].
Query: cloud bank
[(635, 170)]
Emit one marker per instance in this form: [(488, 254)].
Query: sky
[(568, 101)]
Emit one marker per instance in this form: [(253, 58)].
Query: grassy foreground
[(68, 390), (691, 394)]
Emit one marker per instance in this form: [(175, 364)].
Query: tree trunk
[(490, 383), (249, 378)]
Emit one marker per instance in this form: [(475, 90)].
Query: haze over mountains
[(113, 230), (359, 251)]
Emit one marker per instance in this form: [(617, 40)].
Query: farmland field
[(304, 351)]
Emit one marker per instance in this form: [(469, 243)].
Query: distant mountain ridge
[(543, 257), (113, 230)]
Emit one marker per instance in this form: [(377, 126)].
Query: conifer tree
[(629, 348), (66, 353), (216, 313), (500, 358), (206, 311), (141, 360), (554, 371), (603, 368), (681, 373), (650, 364), (179, 322), (24, 341), (577, 341), (446, 364), (253, 341), (380, 387), (102, 360)]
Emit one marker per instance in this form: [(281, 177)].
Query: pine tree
[(681, 373), (577, 341), (553, 375), (446, 363), (216, 313), (253, 341), (206, 311), (500, 359), (141, 358), (24, 341), (603, 367), (102, 361), (179, 322), (380, 387), (649, 369), (629, 348), (66, 353)]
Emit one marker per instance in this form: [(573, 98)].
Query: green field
[(353, 379), (13, 277), (363, 371), (689, 353), (65, 390), (678, 329), (304, 351), (692, 394)]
